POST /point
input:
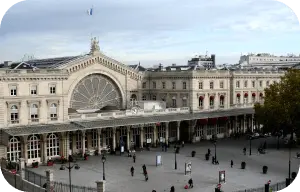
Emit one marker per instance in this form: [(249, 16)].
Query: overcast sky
[(149, 31)]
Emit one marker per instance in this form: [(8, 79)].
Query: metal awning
[(104, 123), (159, 118), (42, 129)]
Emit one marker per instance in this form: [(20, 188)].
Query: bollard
[(267, 186), (100, 186)]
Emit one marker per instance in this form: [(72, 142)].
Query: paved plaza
[(204, 174)]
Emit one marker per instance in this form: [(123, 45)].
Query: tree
[(281, 106)]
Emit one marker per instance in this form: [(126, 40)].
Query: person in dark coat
[(244, 150), (208, 151), (231, 163), (146, 175), (153, 190), (172, 189), (134, 157), (132, 171), (191, 185), (144, 168)]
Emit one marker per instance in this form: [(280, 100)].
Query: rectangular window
[(94, 138), (52, 89), (33, 90), (144, 85), (200, 85), (260, 83), (154, 85), (253, 84), (211, 85), (237, 84), (163, 85), (13, 90), (246, 84), (221, 85), (184, 103), (184, 85), (173, 85)]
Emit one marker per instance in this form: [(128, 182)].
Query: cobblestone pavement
[(204, 174)]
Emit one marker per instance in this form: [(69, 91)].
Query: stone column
[(44, 148), (99, 141), (142, 136), (236, 124), (25, 145), (100, 186), (205, 131), (66, 144), (154, 135), (49, 180), (74, 137), (192, 136), (104, 138), (128, 138), (245, 123), (167, 132), (83, 142), (22, 168), (178, 130), (252, 122), (114, 139)]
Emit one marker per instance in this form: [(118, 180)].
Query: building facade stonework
[(84, 104)]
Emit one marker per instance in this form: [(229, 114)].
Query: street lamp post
[(215, 144), (175, 150), (250, 146), (69, 167), (103, 162)]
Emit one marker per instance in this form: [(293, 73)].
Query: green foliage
[(281, 107)]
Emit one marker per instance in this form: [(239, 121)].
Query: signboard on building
[(222, 177), (158, 160), (188, 168)]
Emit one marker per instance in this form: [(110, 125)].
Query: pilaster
[(99, 141), (154, 135), (142, 136), (83, 142), (128, 138), (178, 129), (167, 132), (114, 139)]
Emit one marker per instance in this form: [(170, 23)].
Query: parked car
[(253, 136)]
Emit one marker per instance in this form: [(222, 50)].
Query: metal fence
[(274, 187), (35, 178), (63, 187)]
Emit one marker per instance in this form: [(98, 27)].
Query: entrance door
[(136, 135)]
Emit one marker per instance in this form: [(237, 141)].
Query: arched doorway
[(53, 148), (14, 149), (34, 148)]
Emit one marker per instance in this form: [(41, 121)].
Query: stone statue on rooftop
[(94, 45)]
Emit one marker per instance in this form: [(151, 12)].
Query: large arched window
[(34, 147), (53, 148), (14, 114), (14, 149), (53, 112), (34, 113)]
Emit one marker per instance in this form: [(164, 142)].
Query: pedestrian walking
[(132, 171), (172, 189), (244, 150), (213, 160), (231, 163), (144, 168), (191, 185), (182, 144), (208, 151), (146, 175), (134, 157)]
